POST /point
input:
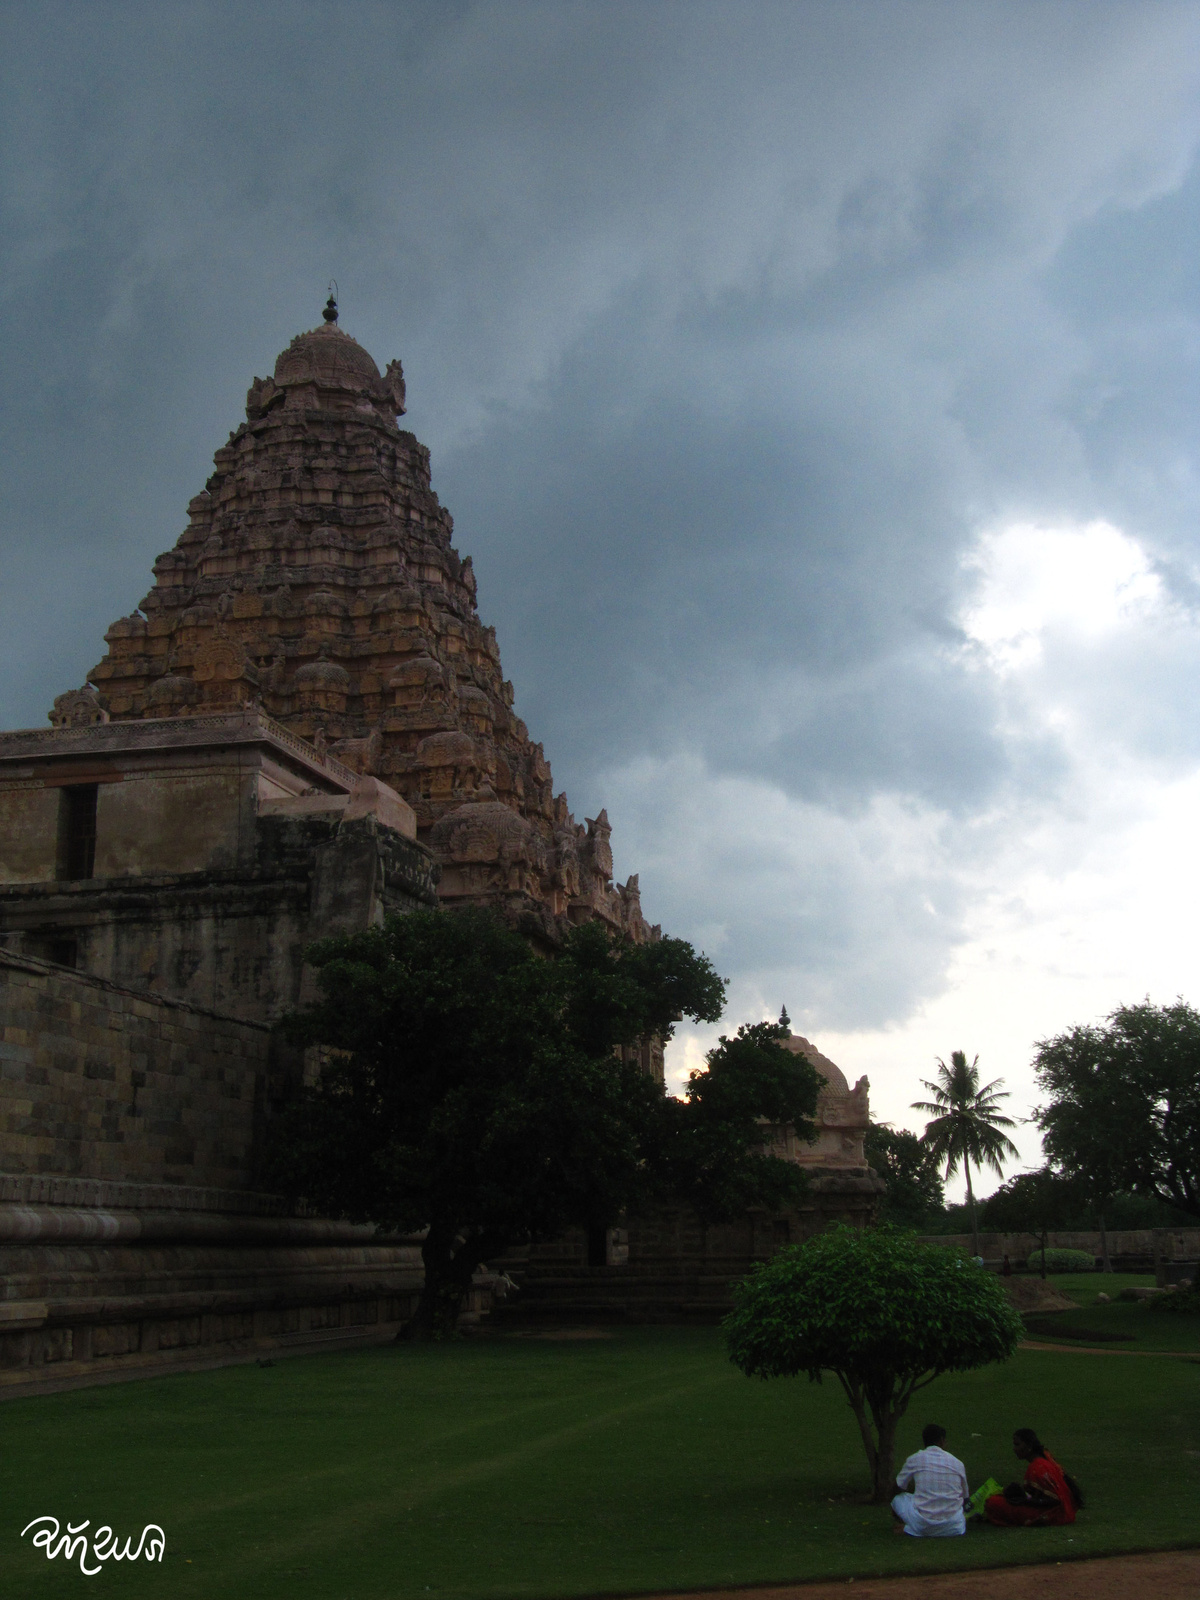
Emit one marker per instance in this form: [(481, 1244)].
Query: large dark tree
[(1123, 1105), (475, 1090), (914, 1198), (708, 1148), (882, 1312)]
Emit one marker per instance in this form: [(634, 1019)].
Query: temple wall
[(169, 821), (666, 1265), (28, 834), (223, 847), (230, 942), (1129, 1249), (130, 1239), (233, 948), (163, 818), (101, 1082)]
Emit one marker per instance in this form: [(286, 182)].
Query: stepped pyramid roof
[(317, 578)]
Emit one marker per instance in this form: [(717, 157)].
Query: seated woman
[(1044, 1500)]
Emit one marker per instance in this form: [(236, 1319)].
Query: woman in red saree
[(1044, 1500)]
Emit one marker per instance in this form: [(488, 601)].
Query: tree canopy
[(966, 1124), (1123, 1104), (475, 1090), (707, 1149), (914, 1197), (1032, 1202), (886, 1314), (1064, 1206)]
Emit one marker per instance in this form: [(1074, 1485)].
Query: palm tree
[(966, 1124)]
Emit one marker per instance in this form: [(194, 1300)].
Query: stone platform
[(131, 1234), (96, 1289)]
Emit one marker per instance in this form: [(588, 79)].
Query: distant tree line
[(1023, 1204), (1120, 1129)]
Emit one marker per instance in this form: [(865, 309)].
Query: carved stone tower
[(316, 579)]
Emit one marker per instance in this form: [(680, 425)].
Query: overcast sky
[(815, 386)]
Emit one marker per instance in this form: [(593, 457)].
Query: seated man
[(934, 1508)]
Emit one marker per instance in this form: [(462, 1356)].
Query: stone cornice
[(250, 727)]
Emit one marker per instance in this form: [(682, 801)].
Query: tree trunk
[(450, 1262), (879, 1440), (436, 1316), (971, 1203), (884, 1485), (1104, 1259), (1045, 1236), (859, 1408)]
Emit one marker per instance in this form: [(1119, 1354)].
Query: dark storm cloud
[(729, 326), (702, 570)]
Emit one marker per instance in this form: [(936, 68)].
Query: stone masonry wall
[(102, 1082), (1129, 1249)]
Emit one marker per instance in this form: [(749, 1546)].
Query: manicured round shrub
[(882, 1312), (1063, 1261)]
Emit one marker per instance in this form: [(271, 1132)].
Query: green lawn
[(509, 1466), (1125, 1327), (1083, 1287)]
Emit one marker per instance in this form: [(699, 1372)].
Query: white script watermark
[(104, 1543)]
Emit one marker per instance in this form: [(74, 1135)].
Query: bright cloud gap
[(1006, 927)]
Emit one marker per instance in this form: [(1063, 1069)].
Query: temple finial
[(330, 311)]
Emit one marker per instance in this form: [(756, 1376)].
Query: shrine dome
[(174, 686), (323, 674), (450, 749), (416, 670), (328, 357), (833, 1075), (484, 830)]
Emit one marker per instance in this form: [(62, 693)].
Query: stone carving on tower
[(78, 708), (316, 580)]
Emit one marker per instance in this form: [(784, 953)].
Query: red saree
[(1043, 1476)]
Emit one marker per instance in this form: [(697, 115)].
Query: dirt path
[(1102, 1350), (1166, 1575)]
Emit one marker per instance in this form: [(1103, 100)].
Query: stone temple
[(302, 728), (317, 581), (314, 603)]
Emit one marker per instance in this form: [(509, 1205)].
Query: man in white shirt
[(936, 1490)]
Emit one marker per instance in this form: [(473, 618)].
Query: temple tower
[(317, 580)]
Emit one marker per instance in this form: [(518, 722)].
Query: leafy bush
[(1063, 1261), (1181, 1303), (883, 1312)]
